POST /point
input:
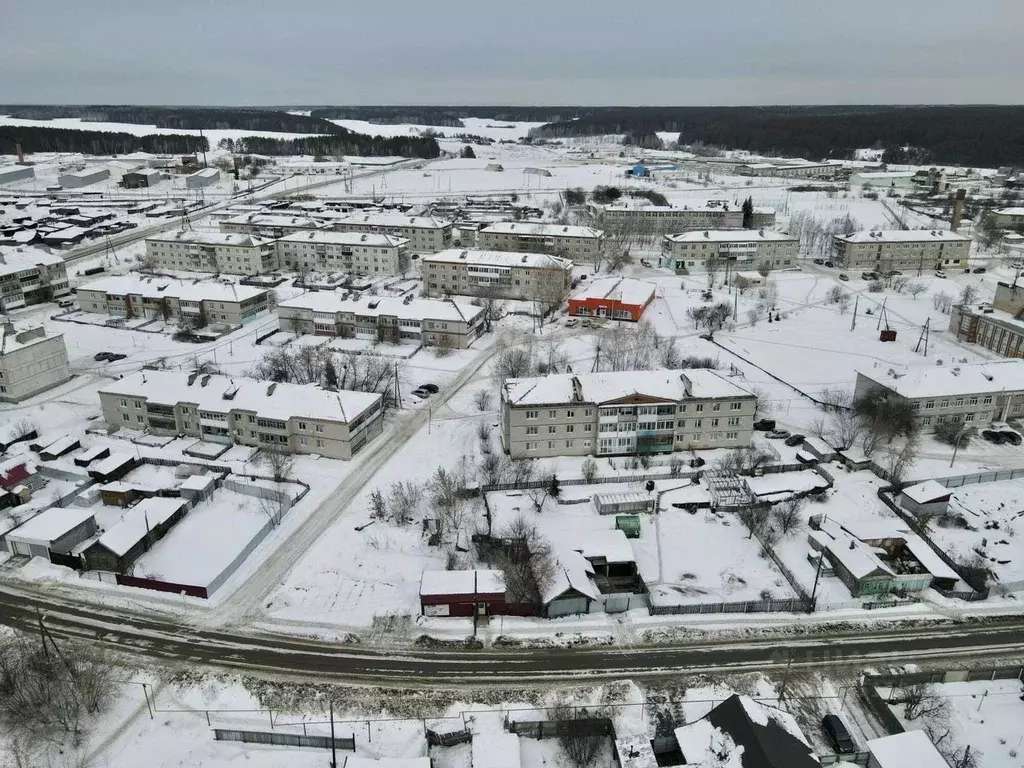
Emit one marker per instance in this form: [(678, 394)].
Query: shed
[(929, 497), (855, 459), (89, 455), (620, 503), (202, 178), (640, 170), (17, 472), (818, 448), (570, 589), (57, 529), (462, 593), (806, 457), (196, 488), (903, 750), (635, 751), (140, 528), (59, 447), (629, 525), (122, 494), (859, 567), (114, 467)]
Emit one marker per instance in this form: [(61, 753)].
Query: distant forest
[(449, 117), (347, 143), (963, 135), (40, 139)]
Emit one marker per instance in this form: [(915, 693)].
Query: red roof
[(13, 476)]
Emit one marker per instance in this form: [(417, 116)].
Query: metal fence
[(855, 758), (874, 702), (276, 738), (980, 477), (792, 605)]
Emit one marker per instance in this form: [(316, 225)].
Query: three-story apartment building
[(31, 361), (360, 253), (424, 233), (498, 274), (269, 225), (687, 252), (230, 253), (910, 249), (290, 418), (667, 218), (31, 277), (626, 412), (576, 243), (998, 326)]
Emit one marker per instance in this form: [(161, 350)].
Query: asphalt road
[(306, 659)]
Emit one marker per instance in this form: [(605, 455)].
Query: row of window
[(642, 410)]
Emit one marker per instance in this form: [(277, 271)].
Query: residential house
[(614, 298), (687, 252), (31, 276), (424, 233), (269, 225), (576, 243), (58, 529), (359, 253), (910, 749), (31, 361), (902, 249), (1008, 218), (666, 218), (462, 593), (232, 253), (139, 529), (498, 274)]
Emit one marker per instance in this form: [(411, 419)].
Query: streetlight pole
[(956, 442)]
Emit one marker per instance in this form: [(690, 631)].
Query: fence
[(901, 679), (749, 606), (284, 739), (449, 739), (547, 729), (870, 697), (161, 586), (855, 758), (978, 477)]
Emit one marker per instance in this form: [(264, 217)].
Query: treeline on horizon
[(987, 136), (347, 143), (444, 116), (40, 139)]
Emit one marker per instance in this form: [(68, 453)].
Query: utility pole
[(923, 337), (856, 303), (817, 576), (334, 752)]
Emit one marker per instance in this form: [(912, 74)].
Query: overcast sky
[(680, 52)]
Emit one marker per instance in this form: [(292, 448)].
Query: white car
[(940, 273), (571, 322)]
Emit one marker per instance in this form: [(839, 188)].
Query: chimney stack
[(958, 209)]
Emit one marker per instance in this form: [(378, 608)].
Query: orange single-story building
[(614, 298)]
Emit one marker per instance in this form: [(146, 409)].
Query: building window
[(302, 426), (531, 414), (552, 414), (731, 435), (126, 417), (735, 406), (124, 403), (570, 427), (699, 407), (552, 429), (987, 400), (319, 427), (531, 430), (929, 405), (716, 407), (588, 427), (570, 414), (570, 443)]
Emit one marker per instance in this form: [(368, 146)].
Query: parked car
[(939, 273), (829, 264), (585, 323), (819, 261), (764, 425), (100, 356), (431, 388), (996, 438), (422, 394), (838, 735), (66, 303), (571, 322), (112, 356), (868, 275), (979, 270), (645, 263), (778, 434), (696, 462), (794, 440), (843, 276), (893, 273)]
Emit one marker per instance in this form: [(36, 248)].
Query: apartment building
[(687, 252), (31, 277), (430, 322), (912, 249), (977, 393), (998, 326), (577, 243), (499, 274), (228, 253), (424, 233), (269, 225), (1008, 218), (31, 361), (209, 301), (237, 410), (360, 253), (627, 412), (666, 218)]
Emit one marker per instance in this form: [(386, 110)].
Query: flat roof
[(166, 287), (950, 380), (138, 521), (283, 402), (391, 219), (374, 239), (273, 220), (466, 582), (670, 208), (14, 260), (628, 290), (112, 462), (205, 173), (729, 236), (417, 309), (235, 239), (929, 490), (903, 236), (612, 545), (1012, 211), (902, 750), (499, 258), (600, 388), (541, 230), (24, 338), (50, 525)]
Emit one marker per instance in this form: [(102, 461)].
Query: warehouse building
[(498, 274), (83, 178), (229, 253), (626, 412), (237, 410), (430, 322), (12, 173), (687, 252), (900, 249), (360, 253), (202, 178), (31, 361), (143, 178), (577, 243), (424, 233), (31, 276)]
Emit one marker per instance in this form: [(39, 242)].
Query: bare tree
[(278, 463), (921, 700), (788, 515), (742, 460), (378, 505), (943, 302), (900, 283), (578, 740), (756, 518), (482, 398), (916, 287), (512, 362), (968, 294), (899, 459), (588, 469), (526, 558), (404, 499)]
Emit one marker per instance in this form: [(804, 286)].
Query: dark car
[(697, 462), (100, 356), (794, 440), (432, 388), (893, 273), (829, 264), (979, 270), (838, 735), (764, 425), (868, 276), (819, 261), (843, 276), (112, 356)]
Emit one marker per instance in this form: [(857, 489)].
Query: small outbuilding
[(911, 749), (462, 593), (89, 455), (929, 497), (114, 467), (141, 527), (57, 529), (632, 503), (17, 472), (202, 178), (59, 447)]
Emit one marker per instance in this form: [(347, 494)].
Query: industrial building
[(31, 276), (1008, 218), (83, 178), (430, 322), (498, 274), (424, 233), (626, 412), (791, 170), (577, 243), (236, 410), (228, 253), (202, 178), (360, 253), (902, 249), (997, 326), (687, 252), (142, 178), (12, 173), (31, 361)]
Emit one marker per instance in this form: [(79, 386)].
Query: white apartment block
[(211, 301), (624, 413), (666, 218), (235, 410), (31, 277), (358, 253), (424, 233), (977, 394), (576, 243), (687, 252), (269, 225), (230, 253), (31, 361), (911, 249), (430, 322), (498, 274)]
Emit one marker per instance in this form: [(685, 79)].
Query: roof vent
[(525, 257), (956, 371), (270, 388), (362, 239), (706, 233), (230, 392), (205, 380), (192, 379)]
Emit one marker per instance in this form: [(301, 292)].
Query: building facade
[(291, 418), (665, 218), (269, 225), (791, 171), (228, 253), (624, 413), (910, 249), (998, 326), (83, 178), (31, 361), (498, 274), (360, 253), (202, 178), (31, 278), (687, 252), (577, 243), (424, 233), (1008, 218), (130, 296), (430, 322), (614, 298)]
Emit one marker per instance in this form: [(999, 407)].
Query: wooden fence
[(792, 605), (547, 729), (278, 739), (448, 739)]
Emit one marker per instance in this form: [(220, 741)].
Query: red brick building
[(614, 298), (462, 593)]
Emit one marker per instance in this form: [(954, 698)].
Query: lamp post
[(956, 443)]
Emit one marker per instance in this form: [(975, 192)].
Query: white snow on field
[(77, 124), (476, 126)]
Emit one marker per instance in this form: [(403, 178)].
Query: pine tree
[(553, 487), (748, 213), (467, 152), (330, 375)]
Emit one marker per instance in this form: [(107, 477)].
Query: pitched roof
[(769, 737)]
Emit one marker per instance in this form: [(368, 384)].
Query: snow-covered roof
[(929, 490), (930, 561), (50, 525), (628, 290), (369, 239), (571, 571), (857, 557), (611, 545), (495, 749), (886, 174), (509, 259), (234, 239), (634, 750), (706, 746), (205, 173), (168, 287), (639, 206), (273, 220), (374, 306), (68, 233), (61, 445), (729, 236), (357, 761), (903, 750), (89, 454), (1012, 211), (138, 521), (197, 482), (600, 388), (622, 498), (541, 230), (21, 259), (949, 380), (26, 337), (280, 401), (391, 219), (112, 463), (904, 236), (468, 582)]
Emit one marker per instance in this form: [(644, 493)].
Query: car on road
[(939, 273), (819, 261), (585, 323), (645, 263), (979, 270), (422, 394), (571, 322), (829, 264), (778, 434), (110, 357), (764, 425), (838, 735), (794, 440), (843, 276), (893, 273), (868, 275), (431, 388)]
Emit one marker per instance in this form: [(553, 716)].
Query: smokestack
[(958, 209), (21, 155)]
